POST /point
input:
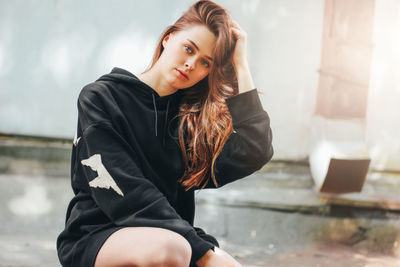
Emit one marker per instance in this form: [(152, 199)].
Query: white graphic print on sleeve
[(104, 179)]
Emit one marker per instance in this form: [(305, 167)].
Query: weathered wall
[(50, 49), (383, 113), (359, 85)]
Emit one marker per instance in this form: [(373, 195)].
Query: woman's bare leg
[(144, 247), (233, 262), (217, 258)]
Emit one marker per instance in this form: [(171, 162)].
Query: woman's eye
[(188, 49), (205, 63)]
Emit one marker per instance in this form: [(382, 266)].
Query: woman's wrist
[(245, 80), (241, 66)]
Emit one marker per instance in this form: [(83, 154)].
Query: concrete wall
[(341, 104), (50, 49), (383, 113)]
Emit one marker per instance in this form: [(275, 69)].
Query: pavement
[(274, 217)]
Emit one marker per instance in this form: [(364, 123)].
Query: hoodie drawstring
[(156, 117), (155, 112), (165, 123)]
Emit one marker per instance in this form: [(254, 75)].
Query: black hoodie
[(126, 160)]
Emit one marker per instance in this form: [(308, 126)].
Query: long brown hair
[(205, 121)]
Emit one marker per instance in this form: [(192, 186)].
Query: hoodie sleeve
[(249, 147), (110, 167)]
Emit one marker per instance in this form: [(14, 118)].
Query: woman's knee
[(167, 249), (144, 246), (173, 250)]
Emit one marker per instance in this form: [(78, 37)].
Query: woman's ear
[(165, 40)]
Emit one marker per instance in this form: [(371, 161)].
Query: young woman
[(145, 143)]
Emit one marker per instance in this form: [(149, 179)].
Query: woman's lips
[(182, 75)]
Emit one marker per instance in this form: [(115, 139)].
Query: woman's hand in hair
[(239, 59), (219, 258), (239, 56)]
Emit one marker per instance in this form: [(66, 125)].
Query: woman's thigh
[(144, 246)]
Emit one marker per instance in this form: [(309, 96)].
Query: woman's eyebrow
[(194, 44)]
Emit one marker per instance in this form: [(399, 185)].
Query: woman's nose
[(189, 64)]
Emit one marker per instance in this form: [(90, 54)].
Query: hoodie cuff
[(200, 232), (199, 246), (244, 106)]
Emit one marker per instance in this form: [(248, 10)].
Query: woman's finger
[(234, 23), (235, 32), (238, 31), (239, 34)]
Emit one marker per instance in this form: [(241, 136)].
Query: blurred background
[(328, 70)]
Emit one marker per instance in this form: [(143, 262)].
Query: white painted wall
[(50, 49), (383, 116)]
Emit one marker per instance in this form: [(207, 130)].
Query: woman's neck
[(155, 80)]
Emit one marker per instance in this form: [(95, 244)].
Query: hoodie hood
[(147, 94)]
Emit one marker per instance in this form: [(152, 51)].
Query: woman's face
[(187, 56)]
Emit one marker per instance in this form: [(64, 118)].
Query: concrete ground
[(271, 218), (33, 207)]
